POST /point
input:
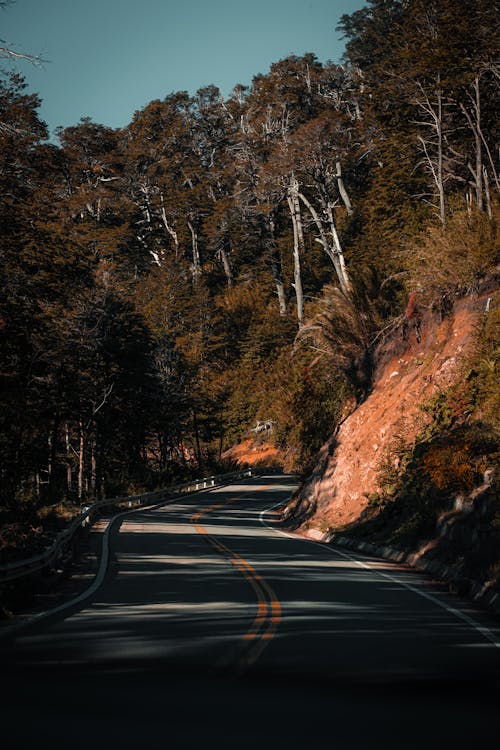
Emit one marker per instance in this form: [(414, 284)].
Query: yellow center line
[(257, 582), (245, 569)]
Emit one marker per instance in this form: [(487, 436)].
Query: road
[(209, 623)]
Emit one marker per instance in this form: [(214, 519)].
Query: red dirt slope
[(348, 465), (253, 453)]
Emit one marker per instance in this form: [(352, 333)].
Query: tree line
[(224, 259)]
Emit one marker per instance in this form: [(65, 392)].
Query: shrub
[(451, 467), (451, 260)]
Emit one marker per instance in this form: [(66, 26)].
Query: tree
[(424, 65), (9, 53)]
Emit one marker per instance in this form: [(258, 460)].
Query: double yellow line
[(268, 615)]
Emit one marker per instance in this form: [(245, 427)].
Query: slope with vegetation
[(225, 260), (418, 456)]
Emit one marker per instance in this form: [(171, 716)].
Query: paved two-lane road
[(208, 593)]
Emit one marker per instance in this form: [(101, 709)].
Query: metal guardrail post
[(56, 551)]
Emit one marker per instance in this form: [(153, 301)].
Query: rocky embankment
[(335, 500), (347, 472)]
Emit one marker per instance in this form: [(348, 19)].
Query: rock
[(348, 467)]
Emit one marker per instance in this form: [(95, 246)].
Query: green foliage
[(483, 383), (148, 279), (445, 262), (420, 481), (342, 329), (440, 410), (305, 399)]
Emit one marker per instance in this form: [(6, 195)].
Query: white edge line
[(103, 565), (99, 577), (485, 632)]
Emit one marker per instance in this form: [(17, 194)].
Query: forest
[(224, 260)]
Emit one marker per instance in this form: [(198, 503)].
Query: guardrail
[(60, 550)]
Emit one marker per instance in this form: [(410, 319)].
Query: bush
[(451, 260)]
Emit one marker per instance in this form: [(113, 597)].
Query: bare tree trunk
[(487, 193), (298, 219), (69, 473), (80, 460), (276, 269), (196, 266), (181, 444), (49, 458), (439, 128), (480, 174), (468, 200), (342, 189), (323, 238), (169, 229), (280, 287), (345, 283), (93, 467), (479, 149), (298, 245), (227, 266), (480, 141), (197, 438), (435, 162), (99, 471), (225, 257), (52, 463)]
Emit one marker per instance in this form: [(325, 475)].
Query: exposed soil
[(254, 452), (348, 466)]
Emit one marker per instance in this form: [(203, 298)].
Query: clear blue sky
[(109, 58)]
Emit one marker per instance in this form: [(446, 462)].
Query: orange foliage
[(252, 453), (451, 467)]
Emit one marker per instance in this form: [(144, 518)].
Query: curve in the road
[(485, 632), (336, 614), (96, 583), (268, 614)]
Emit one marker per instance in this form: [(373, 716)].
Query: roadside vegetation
[(220, 261), (451, 465)]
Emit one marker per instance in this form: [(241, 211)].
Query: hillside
[(225, 260), (420, 449), (253, 452)]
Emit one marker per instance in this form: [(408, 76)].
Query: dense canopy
[(165, 285)]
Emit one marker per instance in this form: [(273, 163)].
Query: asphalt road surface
[(208, 624)]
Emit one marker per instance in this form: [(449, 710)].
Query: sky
[(108, 58)]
